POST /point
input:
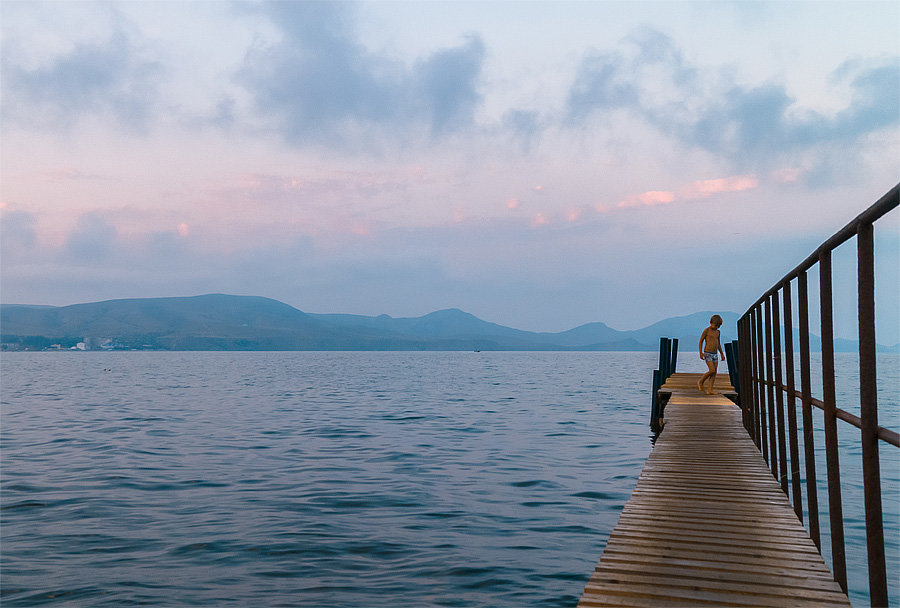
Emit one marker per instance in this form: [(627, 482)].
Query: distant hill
[(226, 322)]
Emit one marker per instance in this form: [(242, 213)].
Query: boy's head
[(715, 321)]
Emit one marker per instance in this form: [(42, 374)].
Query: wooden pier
[(707, 524)]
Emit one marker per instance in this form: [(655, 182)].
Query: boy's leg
[(713, 368), (704, 377)]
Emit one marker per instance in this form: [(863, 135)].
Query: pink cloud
[(183, 229), (698, 189), (708, 187), (573, 214), (512, 203), (652, 197), (539, 220)]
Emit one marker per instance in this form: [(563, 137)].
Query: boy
[(710, 335)]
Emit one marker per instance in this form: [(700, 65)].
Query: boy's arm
[(721, 352), (702, 338)]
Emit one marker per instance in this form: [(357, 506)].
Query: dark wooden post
[(809, 451), (770, 391), (779, 393), (654, 402), (868, 405), (662, 359), (673, 361), (792, 400), (835, 508), (761, 387)]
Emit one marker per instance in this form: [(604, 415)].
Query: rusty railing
[(770, 390)]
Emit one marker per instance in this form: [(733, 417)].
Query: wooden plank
[(732, 530), (707, 524), (715, 571), (651, 562), (665, 593), (650, 543), (730, 559), (728, 536), (745, 587)]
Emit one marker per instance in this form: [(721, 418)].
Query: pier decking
[(707, 523)]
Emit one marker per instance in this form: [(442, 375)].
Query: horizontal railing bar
[(886, 203), (884, 434)]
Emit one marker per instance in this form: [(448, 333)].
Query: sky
[(538, 164)]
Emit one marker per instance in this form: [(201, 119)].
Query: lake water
[(327, 479)]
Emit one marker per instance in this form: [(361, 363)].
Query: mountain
[(208, 322), (226, 322), (687, 328), (451, 324)]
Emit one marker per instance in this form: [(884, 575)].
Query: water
[(329, 479), (315, 479)]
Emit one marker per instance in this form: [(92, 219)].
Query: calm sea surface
[(333, 479)]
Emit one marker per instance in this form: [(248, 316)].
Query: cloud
[(106, 78), (757, 126), (875, 89), (524, 125), (17, 234), (92, 240), (694, 190), (447, 85), (319, 84), (708, 187), (653, 197), (764, 122), (602, 83)]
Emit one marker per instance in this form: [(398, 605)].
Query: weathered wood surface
[(707, 524)]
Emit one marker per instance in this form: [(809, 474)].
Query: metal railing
[(768, 390)]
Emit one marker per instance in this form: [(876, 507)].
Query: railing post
[(809, 451), (835, 508), (792, 400), (736, 351), (761, 387), (779, 393), (753, 384), (868, 405), (744, 362), (770, 392)]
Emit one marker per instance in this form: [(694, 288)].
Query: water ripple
[(316, 479)]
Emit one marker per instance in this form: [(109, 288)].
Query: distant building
[(91, 343)]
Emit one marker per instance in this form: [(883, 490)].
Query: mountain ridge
[(229, 322)]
